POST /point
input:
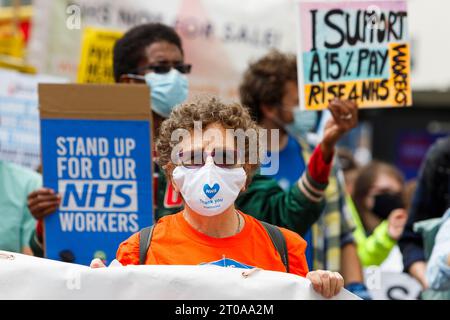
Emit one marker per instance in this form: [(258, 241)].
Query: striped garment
[(335, 226)]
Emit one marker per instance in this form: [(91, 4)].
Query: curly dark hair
[(207, 110), (264, 81), (129, 50)]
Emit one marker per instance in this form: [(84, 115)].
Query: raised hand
[(396, 223), (345, 118)]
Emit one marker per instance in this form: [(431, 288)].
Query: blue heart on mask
[(211, 191)]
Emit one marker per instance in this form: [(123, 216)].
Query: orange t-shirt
[(175, 242)]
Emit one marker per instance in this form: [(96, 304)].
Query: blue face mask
[(304, 122), (167, 90)]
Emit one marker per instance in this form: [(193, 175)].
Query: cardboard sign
[(354, 50), (96, 59), (96, 152)]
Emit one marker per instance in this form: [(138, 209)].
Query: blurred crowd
[(351, 216)]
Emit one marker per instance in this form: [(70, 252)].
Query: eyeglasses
[(165, 68), (223, 158)]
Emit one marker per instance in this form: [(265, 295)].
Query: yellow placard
[(12, 46), (96, 61), (12, 39)]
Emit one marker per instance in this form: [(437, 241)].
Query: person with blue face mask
[(153, 54), (304, 122), (167, 90)]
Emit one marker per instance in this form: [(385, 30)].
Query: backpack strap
[(145, 237), (278, 241)]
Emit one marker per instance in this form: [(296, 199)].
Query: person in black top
[(431, 200)]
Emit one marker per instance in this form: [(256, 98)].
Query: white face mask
[(209, 190)]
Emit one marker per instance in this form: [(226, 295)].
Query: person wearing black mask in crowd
[(381, 214)]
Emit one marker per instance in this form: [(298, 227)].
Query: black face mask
[(385, 203)]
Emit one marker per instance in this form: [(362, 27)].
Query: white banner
[(25, 277), (220, 37)]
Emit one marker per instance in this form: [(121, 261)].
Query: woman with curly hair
[(210, 170)]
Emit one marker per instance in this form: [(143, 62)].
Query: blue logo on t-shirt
[(228, 263), (211, 191)]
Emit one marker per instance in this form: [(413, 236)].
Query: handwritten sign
[(354, 50)]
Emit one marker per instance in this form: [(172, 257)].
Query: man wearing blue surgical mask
[(153, 53)]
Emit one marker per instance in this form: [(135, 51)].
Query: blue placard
[(102, 169)]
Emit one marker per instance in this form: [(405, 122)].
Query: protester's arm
[(345, 118), (292, 209), (36, 240), (411, 243), (352, 272), (350, 265), (26, 230), (374, 249), (41, 202), (128, 252), (418, 271)]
